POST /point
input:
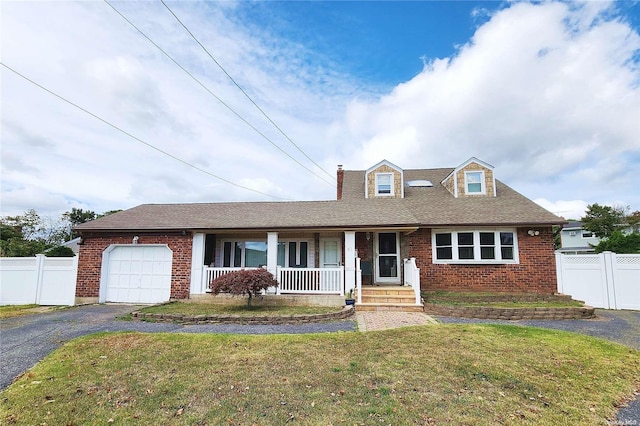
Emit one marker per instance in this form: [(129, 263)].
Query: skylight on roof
[(419, 183)]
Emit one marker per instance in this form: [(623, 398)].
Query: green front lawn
[(494, 300), (445, 374), (539, 304), (193, 309), (9, 311)]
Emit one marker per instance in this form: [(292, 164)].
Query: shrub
[(248, 282), (59, 251), (620, 243)]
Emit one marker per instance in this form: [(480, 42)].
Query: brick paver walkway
[(369, 321)]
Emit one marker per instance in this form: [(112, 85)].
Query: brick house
[(457, 229)]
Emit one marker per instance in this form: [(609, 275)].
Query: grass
[(9, 311), (243, 310), (447, 374), (489, 300), (538, 304)]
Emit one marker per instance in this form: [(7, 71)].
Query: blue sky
[(377, 42), (547, 92)]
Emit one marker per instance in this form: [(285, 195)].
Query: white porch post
[(272, 256), (272, 252), (197, 263), (349, 260)]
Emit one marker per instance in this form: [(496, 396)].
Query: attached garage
[(136, 273)]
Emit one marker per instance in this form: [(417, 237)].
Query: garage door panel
[(139, 274)]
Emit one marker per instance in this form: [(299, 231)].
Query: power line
[(237, 114), (135, 137), (244, 92)]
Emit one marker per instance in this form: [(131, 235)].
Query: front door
[(387, 258), (330, 253)]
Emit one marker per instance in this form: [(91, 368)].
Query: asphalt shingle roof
[(433, 206)]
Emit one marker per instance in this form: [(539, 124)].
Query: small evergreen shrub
[(249, 282)]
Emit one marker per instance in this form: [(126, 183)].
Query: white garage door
[(138, 274)]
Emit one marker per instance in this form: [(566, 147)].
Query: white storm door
[(387, 247), (330, 253)]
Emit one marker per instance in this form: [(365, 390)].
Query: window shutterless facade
[(244, 254), (253, 254), (293, 254), (474, 183), (464, 246), (384, 183)]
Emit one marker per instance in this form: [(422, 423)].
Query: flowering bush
[(248, 282)]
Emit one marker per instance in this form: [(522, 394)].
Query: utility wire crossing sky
[(164, 102)]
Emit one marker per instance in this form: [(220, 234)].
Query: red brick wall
[(340, 180), (90, 260), (536, 272)]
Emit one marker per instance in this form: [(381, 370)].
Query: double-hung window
[(475, 246), (384, 184), (474, 183)]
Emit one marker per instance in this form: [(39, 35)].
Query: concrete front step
[(388, 291), (410, 299), (381, 307), (388, 298)]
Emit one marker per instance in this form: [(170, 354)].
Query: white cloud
[(548, 93), (569, 209), (545, 92)]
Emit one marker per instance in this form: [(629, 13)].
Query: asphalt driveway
[(27, 339)]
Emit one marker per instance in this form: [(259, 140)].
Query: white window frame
[(391, 184), (310, 254), (243, 242), (477, 260), (483, 183), (243, 247), (587, 237)]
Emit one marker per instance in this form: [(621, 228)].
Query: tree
[(29, 225), (249, 282), (618, 242), (22, 235), (29, 234), (76, 217), (603, 220), (633, 220)]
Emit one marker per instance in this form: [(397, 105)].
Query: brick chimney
[(340, 180)]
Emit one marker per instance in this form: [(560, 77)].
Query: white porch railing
[(211, 274), (292, 280), (358, 289), (311, 280), (412, 277)]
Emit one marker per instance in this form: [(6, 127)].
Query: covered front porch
[(324, 262)]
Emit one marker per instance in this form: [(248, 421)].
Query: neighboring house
[(575, 239), (72, 244), (466, 230)]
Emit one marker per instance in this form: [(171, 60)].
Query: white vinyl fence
[(38, 280), (606, 280)]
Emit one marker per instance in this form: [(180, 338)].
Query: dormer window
[(384, 184), (384, 180), (474, 183)]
